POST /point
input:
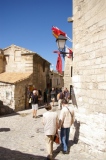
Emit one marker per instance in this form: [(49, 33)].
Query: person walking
[(45, 96), (53, 95), (34, 100), (67, 94), (40, 97), (60, 96), (66, 119), (50, 122)]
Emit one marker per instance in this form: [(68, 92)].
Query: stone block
[(104, 43), (103, 60), (102, 85), (101, 78)]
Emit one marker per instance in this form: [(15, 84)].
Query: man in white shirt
[(50, 121), (66, 119)]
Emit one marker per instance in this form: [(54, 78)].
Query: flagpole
[(68, 38)]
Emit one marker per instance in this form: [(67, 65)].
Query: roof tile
[(13, 77)]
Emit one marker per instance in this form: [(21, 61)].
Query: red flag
[(59, 64), (57, 32), (68, 50)]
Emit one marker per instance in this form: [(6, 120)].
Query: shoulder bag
[(72, 121)]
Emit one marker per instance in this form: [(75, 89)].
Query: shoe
[(65, 152), (48, 158), (33, 116)]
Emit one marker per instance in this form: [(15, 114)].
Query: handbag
[(56, 139), (30, 100)]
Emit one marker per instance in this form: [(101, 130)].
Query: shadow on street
[(59, 148), (8, 115), (7, 154)]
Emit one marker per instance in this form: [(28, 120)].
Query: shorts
[(53, 99), (35, 106)]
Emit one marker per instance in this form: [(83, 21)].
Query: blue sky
[(28, 23)]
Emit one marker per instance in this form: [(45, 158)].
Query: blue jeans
[(64, 134)]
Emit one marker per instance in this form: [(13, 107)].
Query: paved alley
[(22, 138)]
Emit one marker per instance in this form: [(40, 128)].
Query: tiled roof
[(11, 77)]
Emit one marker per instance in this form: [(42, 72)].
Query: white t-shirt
[(65, 116), (50, 119)]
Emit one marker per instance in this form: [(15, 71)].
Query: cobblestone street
[(22, 138)]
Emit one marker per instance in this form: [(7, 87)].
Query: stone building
[(2, 61), (56, 79), (68, 72), (89, 75), (20, 68), (13, 91)]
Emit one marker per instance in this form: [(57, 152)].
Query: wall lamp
[(61, 42)]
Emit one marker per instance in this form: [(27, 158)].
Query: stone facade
[(20, 62), (13, 91), (89, 77), (2, 61), (19, 59), (56, 79), (7, 103), (68, 72), (41, 70)]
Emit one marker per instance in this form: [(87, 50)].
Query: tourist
[(35, 103), (66, 119), (53, 95), (40, 97), (67, 94), (45, 96), (50, 121), (60, 96)]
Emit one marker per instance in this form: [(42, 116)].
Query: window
[(57, 81), (43, 66), (8, 95), (71, 71)]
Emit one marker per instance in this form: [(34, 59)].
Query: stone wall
[(18, 59), (22, 60), (89, 80), (13, 97), (2, 59), (7, 102), (68, 71), (40, 71), (1, 64), (20, 94), (57, 80)]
